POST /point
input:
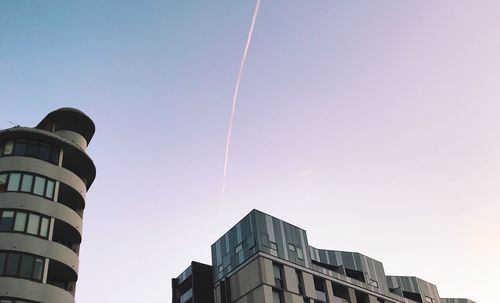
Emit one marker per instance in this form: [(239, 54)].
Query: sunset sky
[(383, 116)]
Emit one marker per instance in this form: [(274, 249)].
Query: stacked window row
[(21, 265), (28, 183), (30, 148), (340, 291), (23, 222)]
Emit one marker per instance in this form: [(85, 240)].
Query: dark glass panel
[(26, 269), (54, 156), (12, 264), (44, 152), (6, 221), (38, 269), (3, 183), (3, 256), (32, 149), (20, 148)]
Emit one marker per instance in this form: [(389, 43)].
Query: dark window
[(319, 285), (278, 275), (300, 281), (3, 183), (3, 256), (32, 149), (20, 148), (26, 269), (38, 269), (54, 156), (12, 264), (6, 220), (278, 296), (44, 152)]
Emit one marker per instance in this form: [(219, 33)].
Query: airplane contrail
[(237, 89)]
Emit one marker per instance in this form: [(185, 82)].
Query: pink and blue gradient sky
[(382, 116)]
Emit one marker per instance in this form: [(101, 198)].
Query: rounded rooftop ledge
[(71, 119)]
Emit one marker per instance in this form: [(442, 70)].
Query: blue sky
[(379, 115)]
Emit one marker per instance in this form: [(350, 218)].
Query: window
[(300, 281), (291, 247), (14, 179), (6, 220), (319, 285), (9, 146), (238, 248), (374, 283), (3, 182), (27, 183), (27, 266), (33, 224), (278, 296), (31, 148), (300, 253), (274, 248), (24, 222), (428, 300), (278, 275)]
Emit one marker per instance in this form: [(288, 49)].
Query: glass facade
[(28, 183), (30, 148), (21, 265), (24, 222)]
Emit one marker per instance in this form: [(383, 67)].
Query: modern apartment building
[(44, 176), (263, 259)]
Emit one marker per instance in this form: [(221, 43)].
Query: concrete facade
[(263, 259), (45, 173)]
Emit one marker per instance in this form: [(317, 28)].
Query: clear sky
[(381, 117)]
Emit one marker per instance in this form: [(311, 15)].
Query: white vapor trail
[(237, 89)]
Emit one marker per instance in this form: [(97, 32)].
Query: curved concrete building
[(44, 176)]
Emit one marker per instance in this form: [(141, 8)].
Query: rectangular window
[(14, 180), (44, 227), (27, 183), (3, 183), (44, 152), (3, 256), (33, 224), (20, 148), (300, 253), (238, 248), (6, 221), (39, 188), (1, 148), (278, 296), (20, 223), (26, 268), (12, 264), (54, 156), (274, 248), (291, 247), (9, 146), (278, 275), (38, 269), (49, 192), (300, 281), (32, 149)]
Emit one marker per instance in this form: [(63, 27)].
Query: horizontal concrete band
[(34, 291), (40, 247), (36, 166), (28, 202)]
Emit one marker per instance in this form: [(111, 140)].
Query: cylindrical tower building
[(44, 176)]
